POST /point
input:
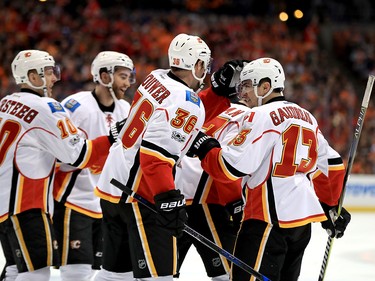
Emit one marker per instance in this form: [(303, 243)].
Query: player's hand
[(225, 79), (115, 130), (335, 225), (171, 211), (201, 145)]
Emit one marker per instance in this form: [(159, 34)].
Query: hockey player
[(77, 216), (166, 111), (277, 151), (214, 209), (35, 130)]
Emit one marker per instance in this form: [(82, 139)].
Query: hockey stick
[(352, 151), (205, 241)]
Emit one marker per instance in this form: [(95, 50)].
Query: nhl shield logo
[(141, 264)]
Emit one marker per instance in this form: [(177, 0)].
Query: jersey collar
[(174, 77), (27, 90), (279, 98)]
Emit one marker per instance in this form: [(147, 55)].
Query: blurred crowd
[(74, 34)]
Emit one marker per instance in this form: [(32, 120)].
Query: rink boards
[(360, 193)]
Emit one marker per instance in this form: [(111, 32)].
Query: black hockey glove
[(171, 211), (235, 210), (201, 145), (225, 79), (335, 226), (115, 130)]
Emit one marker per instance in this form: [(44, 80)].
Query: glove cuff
[(207, 144)]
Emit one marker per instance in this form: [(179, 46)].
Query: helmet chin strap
[(260, 98), (109, 86), (44, 86), (199, 79)]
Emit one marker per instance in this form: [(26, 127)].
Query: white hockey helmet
[(185, 50), (109, 60), (259, 69), (32, 60)]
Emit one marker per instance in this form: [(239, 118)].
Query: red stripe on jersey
[(157, 174), (97, 154), (251, 117), (212, 165), (60, 183), (302, 221), (3, 217), (31, 194), (256, 204), (328, 189), (106, 196), (220, 193)]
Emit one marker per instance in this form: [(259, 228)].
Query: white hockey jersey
[(76, 188), (34, 131), (164, 115), (195, 184), (276, 150)]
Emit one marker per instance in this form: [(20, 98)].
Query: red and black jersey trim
[(335, 161), (159, 149), (70, 185), (271, 203), (200, 189), (132, 175), (233, 170), (81, 156)]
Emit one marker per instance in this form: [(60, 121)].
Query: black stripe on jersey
[(133, 172), (81, 156), (70, 185), (154, 147), (335, 161), (200, 188), (271, 202), (50, 185), (13, 189), (233, 170)]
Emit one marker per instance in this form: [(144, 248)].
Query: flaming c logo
[(28, 54)]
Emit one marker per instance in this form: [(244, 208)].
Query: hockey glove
[(235, 210), (115, 130), (225, 79), (334, 225), (171, 211), (202, 144)]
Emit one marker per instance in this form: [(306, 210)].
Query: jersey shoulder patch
[(55, 106), (72, 105), (193, 97)]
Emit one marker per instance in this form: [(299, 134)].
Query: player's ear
[(32, 76), (104, 76), (265, 87)]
